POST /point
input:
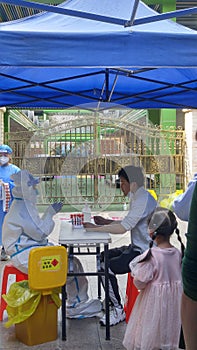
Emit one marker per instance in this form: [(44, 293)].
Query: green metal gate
[(79, 158)]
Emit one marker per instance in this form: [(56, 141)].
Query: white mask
[(4, 160)]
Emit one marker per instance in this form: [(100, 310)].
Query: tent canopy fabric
[(52, 60)]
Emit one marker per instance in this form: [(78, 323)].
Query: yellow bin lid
[(47, 268)]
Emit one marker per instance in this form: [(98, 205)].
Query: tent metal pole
[(107, 84), (113, 87), (166, 15), (130, 22)]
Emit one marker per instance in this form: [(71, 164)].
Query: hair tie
[(154, 235)]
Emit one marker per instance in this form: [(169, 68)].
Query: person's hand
[(99, 220), (57, 206), (88, 225)]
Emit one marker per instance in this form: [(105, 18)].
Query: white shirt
[(142, 204)]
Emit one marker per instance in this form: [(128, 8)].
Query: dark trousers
[(119, 259)]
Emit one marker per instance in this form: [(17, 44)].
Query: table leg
[(70, 259), (98, 259), (107, 291), (64, 312)]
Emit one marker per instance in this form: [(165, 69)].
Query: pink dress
[(155, 321)]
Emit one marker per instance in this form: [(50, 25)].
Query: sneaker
[(116, 316), (4, 256), (103, 305)]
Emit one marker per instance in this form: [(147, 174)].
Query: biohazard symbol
[(50, 263)]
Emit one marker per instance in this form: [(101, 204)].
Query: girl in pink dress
[(155, 321)]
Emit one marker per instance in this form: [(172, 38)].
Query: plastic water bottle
[(125, 206), (87, 213)]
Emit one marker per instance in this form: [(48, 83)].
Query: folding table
[(75, 239)]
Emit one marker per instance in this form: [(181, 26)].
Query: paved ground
[(81, 334)]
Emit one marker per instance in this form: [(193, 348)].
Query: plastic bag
[(168, 201), (22, 302)]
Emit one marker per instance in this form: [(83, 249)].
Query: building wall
[(191, 143), (2, 111)]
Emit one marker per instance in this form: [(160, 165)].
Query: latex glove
[(57, 206)]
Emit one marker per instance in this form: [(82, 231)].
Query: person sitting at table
[(142, 204), (24, 229)]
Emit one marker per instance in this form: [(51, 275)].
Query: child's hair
[(163, 223)]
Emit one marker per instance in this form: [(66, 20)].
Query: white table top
[(70, 235)]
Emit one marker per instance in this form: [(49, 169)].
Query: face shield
[(25, 186)]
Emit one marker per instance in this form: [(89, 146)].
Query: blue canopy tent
[(90, 52)]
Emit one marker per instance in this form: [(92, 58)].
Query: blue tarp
[(53, 60)]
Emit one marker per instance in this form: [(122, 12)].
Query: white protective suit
[(24, 229)]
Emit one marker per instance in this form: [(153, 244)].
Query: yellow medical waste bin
[(47, 272), (41, 326)]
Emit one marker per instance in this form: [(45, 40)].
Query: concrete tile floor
[(81, 334)]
